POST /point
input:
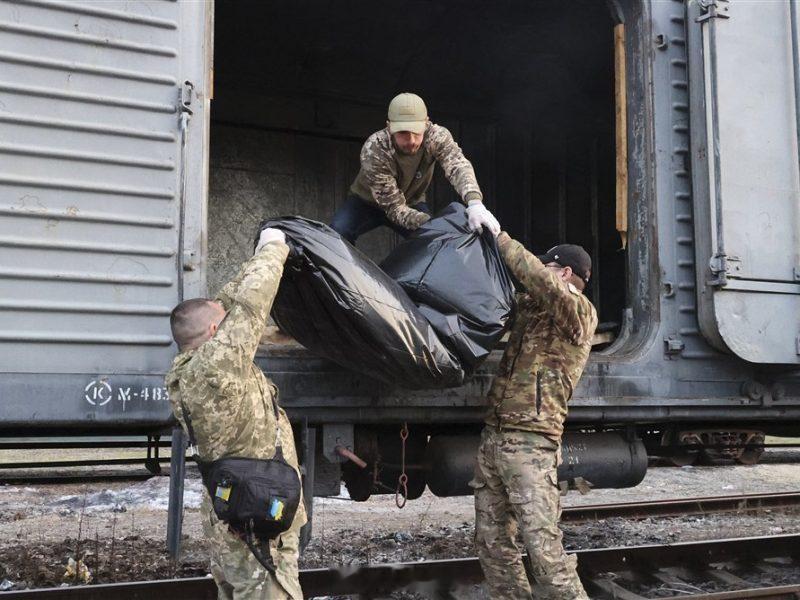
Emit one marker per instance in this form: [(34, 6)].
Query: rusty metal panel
[(90, 183)]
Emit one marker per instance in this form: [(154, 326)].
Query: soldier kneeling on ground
[(229, 409), (516, 481)]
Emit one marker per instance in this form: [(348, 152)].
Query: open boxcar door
[(744, 107)]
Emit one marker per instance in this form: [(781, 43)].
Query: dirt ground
[(119, 527)]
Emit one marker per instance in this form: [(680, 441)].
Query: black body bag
[(335, 301), (459, 281), (257, 498), (425, 320)]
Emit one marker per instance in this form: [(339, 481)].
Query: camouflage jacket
[(229, 399), (547, 349), (396, 182)]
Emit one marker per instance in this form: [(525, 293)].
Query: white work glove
[(480, 217), (268, 235)]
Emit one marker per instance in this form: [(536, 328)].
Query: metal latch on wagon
[(673, 345), (722, 266), (187, 90), (713, 9)]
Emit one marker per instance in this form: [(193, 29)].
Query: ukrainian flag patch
[(223, 492), (276, 509)]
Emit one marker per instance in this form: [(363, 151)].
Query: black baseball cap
[(570, 255)]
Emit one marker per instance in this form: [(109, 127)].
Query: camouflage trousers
[(239, 576), (516, 491)]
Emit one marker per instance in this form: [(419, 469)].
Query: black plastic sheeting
[(459, 282), (338, 303)]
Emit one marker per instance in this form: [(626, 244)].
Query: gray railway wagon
[(141, 142)]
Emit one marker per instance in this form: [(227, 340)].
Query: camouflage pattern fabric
[(516, 491), (396, 182), (547, 349), (230, 403), (516, 482), (237, 572)]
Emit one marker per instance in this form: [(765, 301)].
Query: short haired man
[(516, 483), (397, 165), (231, 407)]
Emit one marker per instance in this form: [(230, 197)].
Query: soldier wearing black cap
[(572, 256), (516, 482)]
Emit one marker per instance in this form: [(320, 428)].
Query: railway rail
[(626, 573), (82, 471), (40, 471), (83, 478), (682, 507)]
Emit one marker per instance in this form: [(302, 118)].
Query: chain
[(401, 494)]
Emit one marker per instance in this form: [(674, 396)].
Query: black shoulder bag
[(257, 498)]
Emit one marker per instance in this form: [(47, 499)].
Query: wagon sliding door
[(92, 157), (745, 110)]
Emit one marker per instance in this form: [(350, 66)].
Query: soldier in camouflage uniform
[(516, 484), (230, 404), (396, 169)]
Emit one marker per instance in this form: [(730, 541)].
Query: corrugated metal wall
[(89, 166)]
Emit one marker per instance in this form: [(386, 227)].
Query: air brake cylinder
[(603, 460)]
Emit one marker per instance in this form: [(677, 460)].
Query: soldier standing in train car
[(397, 165), (516, 482), (232, 409)]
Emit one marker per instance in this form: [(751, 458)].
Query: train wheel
[(751, 456), (680, 457)]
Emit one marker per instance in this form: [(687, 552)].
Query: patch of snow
[(151, 494)]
